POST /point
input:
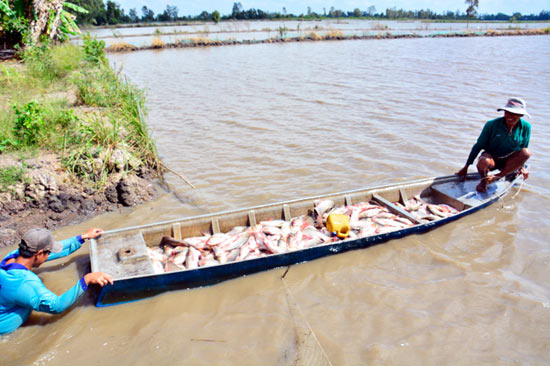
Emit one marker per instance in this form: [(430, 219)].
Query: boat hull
[(135, 287)]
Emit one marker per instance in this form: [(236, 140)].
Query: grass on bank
[(10, 176), (68, 100)]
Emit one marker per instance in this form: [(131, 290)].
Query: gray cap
[(35, 240), (516, 106)]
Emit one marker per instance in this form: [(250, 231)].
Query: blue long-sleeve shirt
[(22, 291)]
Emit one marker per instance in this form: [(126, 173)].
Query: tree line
[(110, 12)]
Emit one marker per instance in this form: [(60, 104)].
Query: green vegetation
[(94, 50), (13, 25), (29, 124), (26, 21), (216, 16), (68, 100), (10, 176)]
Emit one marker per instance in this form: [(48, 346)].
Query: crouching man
[(504, 142)]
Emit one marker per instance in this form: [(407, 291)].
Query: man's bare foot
[(482, 186)]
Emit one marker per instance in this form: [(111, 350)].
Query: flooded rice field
[(262, 30), (256, 124)]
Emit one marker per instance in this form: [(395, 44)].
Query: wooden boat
[(123, 253)]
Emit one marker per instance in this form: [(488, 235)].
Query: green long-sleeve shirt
[(497, 141)]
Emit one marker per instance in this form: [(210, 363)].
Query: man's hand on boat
[(462, 172), (98, 278), (92, 233)]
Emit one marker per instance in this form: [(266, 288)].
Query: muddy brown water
[(249, 125)]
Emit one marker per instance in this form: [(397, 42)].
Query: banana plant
[(60, 22), (68, 25), (12, 20), (5, 9), (53, 18), (31, 19)]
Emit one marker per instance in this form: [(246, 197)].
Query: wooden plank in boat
[(394, 209)]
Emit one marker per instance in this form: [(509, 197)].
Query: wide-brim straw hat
[(516, 106)]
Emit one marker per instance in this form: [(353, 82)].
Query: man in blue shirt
[(21, 291)]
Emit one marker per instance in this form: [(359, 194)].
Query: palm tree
[(471, 11)]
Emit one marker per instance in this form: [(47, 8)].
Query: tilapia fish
[(279, 236)]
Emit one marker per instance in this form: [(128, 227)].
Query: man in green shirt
[(504, 142)]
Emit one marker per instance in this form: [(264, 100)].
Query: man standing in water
[(504, 141), (21, 291)]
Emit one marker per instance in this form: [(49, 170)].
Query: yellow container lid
[(338, 224)]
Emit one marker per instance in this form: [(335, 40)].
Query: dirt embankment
[(49, 198), (314, 37), (85, 115)]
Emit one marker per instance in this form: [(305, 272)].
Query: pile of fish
[(280, 236), (424, 212)]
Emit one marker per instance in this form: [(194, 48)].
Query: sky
[(195, 7)]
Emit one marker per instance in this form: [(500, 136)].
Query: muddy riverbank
[(73, 140), (49, 197)]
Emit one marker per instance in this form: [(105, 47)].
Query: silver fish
[(436, 210), (180, 258), (216, 239), (323, 206), (235, 241), (192, 260)]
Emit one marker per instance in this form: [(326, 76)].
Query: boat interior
[(123, 253)]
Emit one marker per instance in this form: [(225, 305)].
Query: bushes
[(94, 50), (29, 123), (27, 127), (37, 125), (68, 100), (46, 63)]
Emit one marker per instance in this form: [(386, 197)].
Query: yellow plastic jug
[(338, 224)]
